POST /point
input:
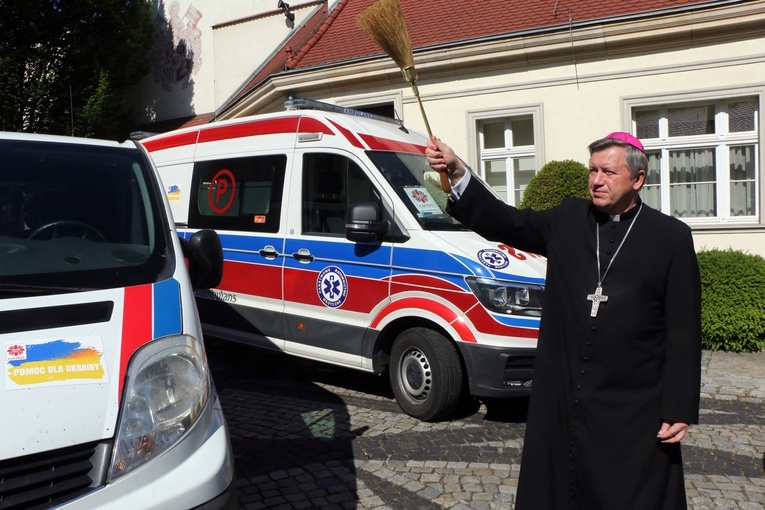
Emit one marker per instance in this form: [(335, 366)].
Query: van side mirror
[(205, 255), (364, 223)]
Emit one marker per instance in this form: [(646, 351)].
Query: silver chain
[(597, 246)]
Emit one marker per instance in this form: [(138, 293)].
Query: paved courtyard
[(313, 436)]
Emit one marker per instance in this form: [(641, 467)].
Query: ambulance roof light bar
[(301, 103)]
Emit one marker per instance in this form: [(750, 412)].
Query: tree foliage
[(554, 182), (66, 66)]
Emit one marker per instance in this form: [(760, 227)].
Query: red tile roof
[(331, 37)]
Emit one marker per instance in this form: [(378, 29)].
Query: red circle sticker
[(222, 191)]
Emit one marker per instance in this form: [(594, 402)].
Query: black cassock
[(602, 385)]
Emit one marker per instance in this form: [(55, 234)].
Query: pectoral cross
[(596, 299)]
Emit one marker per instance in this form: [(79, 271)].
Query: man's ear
[(639, 180)]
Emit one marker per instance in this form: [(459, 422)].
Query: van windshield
[(77, 217), (418, 186)]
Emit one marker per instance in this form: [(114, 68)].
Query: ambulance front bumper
[(498, 372)]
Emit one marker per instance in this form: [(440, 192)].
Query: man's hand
[(672, 432), (441, 158)]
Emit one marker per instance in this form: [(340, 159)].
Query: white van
[(106, 399), (337, 248)]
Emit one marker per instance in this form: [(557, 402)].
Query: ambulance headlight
[(167, 388), (508, 297)]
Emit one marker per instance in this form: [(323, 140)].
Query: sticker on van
[(332, 286), (52, 362)]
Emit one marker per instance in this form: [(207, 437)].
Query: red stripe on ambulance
[(363, 293), (252, 128), (137, 328), (485, 323), (420, 281), (418, 304), (254, 279), (386, 144), (349, 135), (171, 141), (311, 125)]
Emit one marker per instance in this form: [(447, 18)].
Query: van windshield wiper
[(17, 289)]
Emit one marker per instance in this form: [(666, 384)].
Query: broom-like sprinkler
[(384, 22)]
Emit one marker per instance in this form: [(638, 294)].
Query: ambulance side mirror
[(364, 223), (205, 255)]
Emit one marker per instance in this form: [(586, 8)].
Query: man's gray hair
[(635, 159)]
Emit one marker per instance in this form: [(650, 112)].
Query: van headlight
[(167, 388), (508, 297)]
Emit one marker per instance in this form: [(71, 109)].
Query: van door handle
[(269, 252), (303, 255)]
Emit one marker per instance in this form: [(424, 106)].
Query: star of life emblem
[(332, 286), (494, 259)]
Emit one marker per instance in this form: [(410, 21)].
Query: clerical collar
[(627, 215)]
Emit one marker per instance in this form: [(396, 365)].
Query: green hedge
[(732, 301), (554, 182)]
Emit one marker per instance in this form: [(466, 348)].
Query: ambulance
[(337, 248), (106, 399)]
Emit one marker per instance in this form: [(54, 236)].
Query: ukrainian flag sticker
[(54, 362)]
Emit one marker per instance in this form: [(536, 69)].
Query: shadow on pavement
[(291, 438)]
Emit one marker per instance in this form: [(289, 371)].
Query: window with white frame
[(507, 154), (703, 162)]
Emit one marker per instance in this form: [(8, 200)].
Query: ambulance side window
[(238, 193), (330, 183)]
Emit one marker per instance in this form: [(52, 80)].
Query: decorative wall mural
[(178, 46)]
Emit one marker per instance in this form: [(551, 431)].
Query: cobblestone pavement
[(309, 436)]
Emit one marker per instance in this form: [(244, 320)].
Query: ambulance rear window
[(238, 193), (77, 217)]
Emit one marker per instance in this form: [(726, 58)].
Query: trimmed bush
[(732, 301), (554, 182)]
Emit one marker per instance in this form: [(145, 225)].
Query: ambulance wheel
[(425, 374)]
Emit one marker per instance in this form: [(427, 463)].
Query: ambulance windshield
[(77, 217), (418, 186)]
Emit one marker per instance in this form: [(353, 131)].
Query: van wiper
[(16, 290)]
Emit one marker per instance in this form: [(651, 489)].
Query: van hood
[(65, 358), (495, 260)]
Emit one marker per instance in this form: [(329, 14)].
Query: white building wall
[(585, 103), (228, 40)]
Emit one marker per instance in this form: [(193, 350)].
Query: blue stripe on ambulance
[(484, 271), (514, 320), (167, 308)]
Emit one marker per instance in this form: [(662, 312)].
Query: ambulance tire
[(426, 374)]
